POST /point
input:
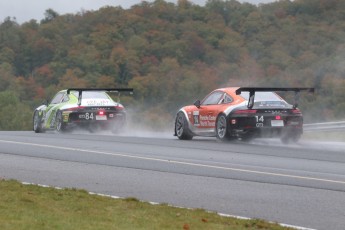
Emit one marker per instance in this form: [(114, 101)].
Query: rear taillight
[(296, 111), (245, 111), (101, 112), (119, 107)]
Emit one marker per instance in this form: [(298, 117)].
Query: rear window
[(262, 96), (92, 95)]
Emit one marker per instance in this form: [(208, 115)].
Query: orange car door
[(207, 113)]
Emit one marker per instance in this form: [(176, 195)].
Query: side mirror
[(45, 102), (197, 103)]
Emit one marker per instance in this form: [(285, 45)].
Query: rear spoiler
[(252, 91), (81, 90)]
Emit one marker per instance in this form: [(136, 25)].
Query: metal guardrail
[(325, 126)]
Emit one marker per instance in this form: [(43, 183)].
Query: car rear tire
[(222, 131), (37, 123), (181, 127), (60, 126)]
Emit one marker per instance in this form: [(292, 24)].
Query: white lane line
[(177, 162)]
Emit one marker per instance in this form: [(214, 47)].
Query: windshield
[(267, 99)]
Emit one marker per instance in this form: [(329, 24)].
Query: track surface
[(301, 185)]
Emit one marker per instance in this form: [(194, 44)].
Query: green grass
[(35, 207)]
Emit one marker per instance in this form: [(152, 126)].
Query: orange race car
[(242, 113)]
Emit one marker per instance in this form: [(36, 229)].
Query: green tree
[(49, 15), (6, 75), (10, 118)]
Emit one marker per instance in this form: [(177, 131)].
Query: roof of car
[(229, 90)]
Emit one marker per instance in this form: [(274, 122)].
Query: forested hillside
[(173, 54)]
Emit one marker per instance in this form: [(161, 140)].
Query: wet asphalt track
[(301, 184)]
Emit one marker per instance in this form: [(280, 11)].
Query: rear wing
[(252, 91), (81, 90)]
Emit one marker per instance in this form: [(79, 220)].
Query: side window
[(65, 98), (213, 98), (227, 99), (57, 99)]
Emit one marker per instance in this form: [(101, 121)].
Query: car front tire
[(37, 123), (181, 127)]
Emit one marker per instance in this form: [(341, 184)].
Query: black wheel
[(181, 127), (222, 131), (59, 125), (37, 123)]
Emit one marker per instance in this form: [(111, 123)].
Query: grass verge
[(35, 207)]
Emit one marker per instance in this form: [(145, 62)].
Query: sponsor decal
[(276, 112), (208, 120), (65, 116), (86, 116), (96, 102), (203, 120), (196, 118)]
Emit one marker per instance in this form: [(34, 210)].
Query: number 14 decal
[(259, 118)]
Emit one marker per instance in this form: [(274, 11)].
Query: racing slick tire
[(222, 131), (181, 127), (59, 125), (37, 123)]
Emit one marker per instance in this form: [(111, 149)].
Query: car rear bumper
[(268, 127), (106, 121), (266, 132)]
